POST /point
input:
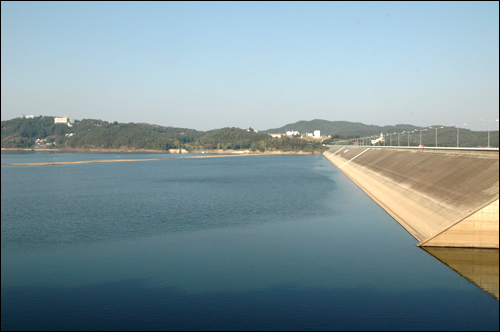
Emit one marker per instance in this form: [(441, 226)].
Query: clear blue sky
[(213, 65)]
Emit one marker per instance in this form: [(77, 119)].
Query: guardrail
[(419, 147)]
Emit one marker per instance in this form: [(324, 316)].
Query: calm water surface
[(248, 243)]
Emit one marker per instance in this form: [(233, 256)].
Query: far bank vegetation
[(97, 134)]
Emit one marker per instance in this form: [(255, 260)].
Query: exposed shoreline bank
[(192, 155), (116, 160), (171, 151)]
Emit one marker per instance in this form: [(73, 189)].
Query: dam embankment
[(444, 198)]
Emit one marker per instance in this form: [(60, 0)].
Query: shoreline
[(192, 155), (171, 151), (117, 160)]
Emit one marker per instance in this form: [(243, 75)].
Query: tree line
[(91, 133)]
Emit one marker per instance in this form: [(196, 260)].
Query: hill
[(235, 138), (41, 132), (341, 128), (91, 133), (447, 136)]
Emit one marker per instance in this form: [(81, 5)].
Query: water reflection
[(477, 265)]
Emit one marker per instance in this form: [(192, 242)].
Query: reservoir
[(237, 243)]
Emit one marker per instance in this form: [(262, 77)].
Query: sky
[(208, 65)]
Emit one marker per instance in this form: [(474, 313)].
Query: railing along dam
[(443, 197)]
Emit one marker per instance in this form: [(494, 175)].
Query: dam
[(443, 197)]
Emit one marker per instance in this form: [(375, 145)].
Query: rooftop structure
[(380, 139)]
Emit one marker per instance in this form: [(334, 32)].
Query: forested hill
[(90, 133), (340, 128), (447, 136), (236, 138)]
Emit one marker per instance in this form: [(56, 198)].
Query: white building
[(380, 139), (317, 133), (63, 120), (28, 116), (292, 133)]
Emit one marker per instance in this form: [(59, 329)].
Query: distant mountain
[(341, 128), (447, 136), (41, 131)]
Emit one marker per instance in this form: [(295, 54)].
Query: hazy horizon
[(262, 65)]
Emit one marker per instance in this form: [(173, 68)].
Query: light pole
[(436, 134), (421, 135), (488, 129), (398, 137), (458, 133), (408, 139)]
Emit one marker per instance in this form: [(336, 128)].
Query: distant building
[(275, 135), (28, 116), (380, 139), (292, 133), (317, 133), (63, 120)]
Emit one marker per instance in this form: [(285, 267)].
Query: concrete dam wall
[(444, 198)]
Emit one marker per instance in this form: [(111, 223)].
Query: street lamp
[(408, 139), (421, 135), (458, 133), (398, 137), (488, 129), (436, 134)]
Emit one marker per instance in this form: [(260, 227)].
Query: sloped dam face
[(444, 198)]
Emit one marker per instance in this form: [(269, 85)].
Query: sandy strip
[(120, 160)]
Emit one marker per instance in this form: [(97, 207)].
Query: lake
[(236, 243)]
